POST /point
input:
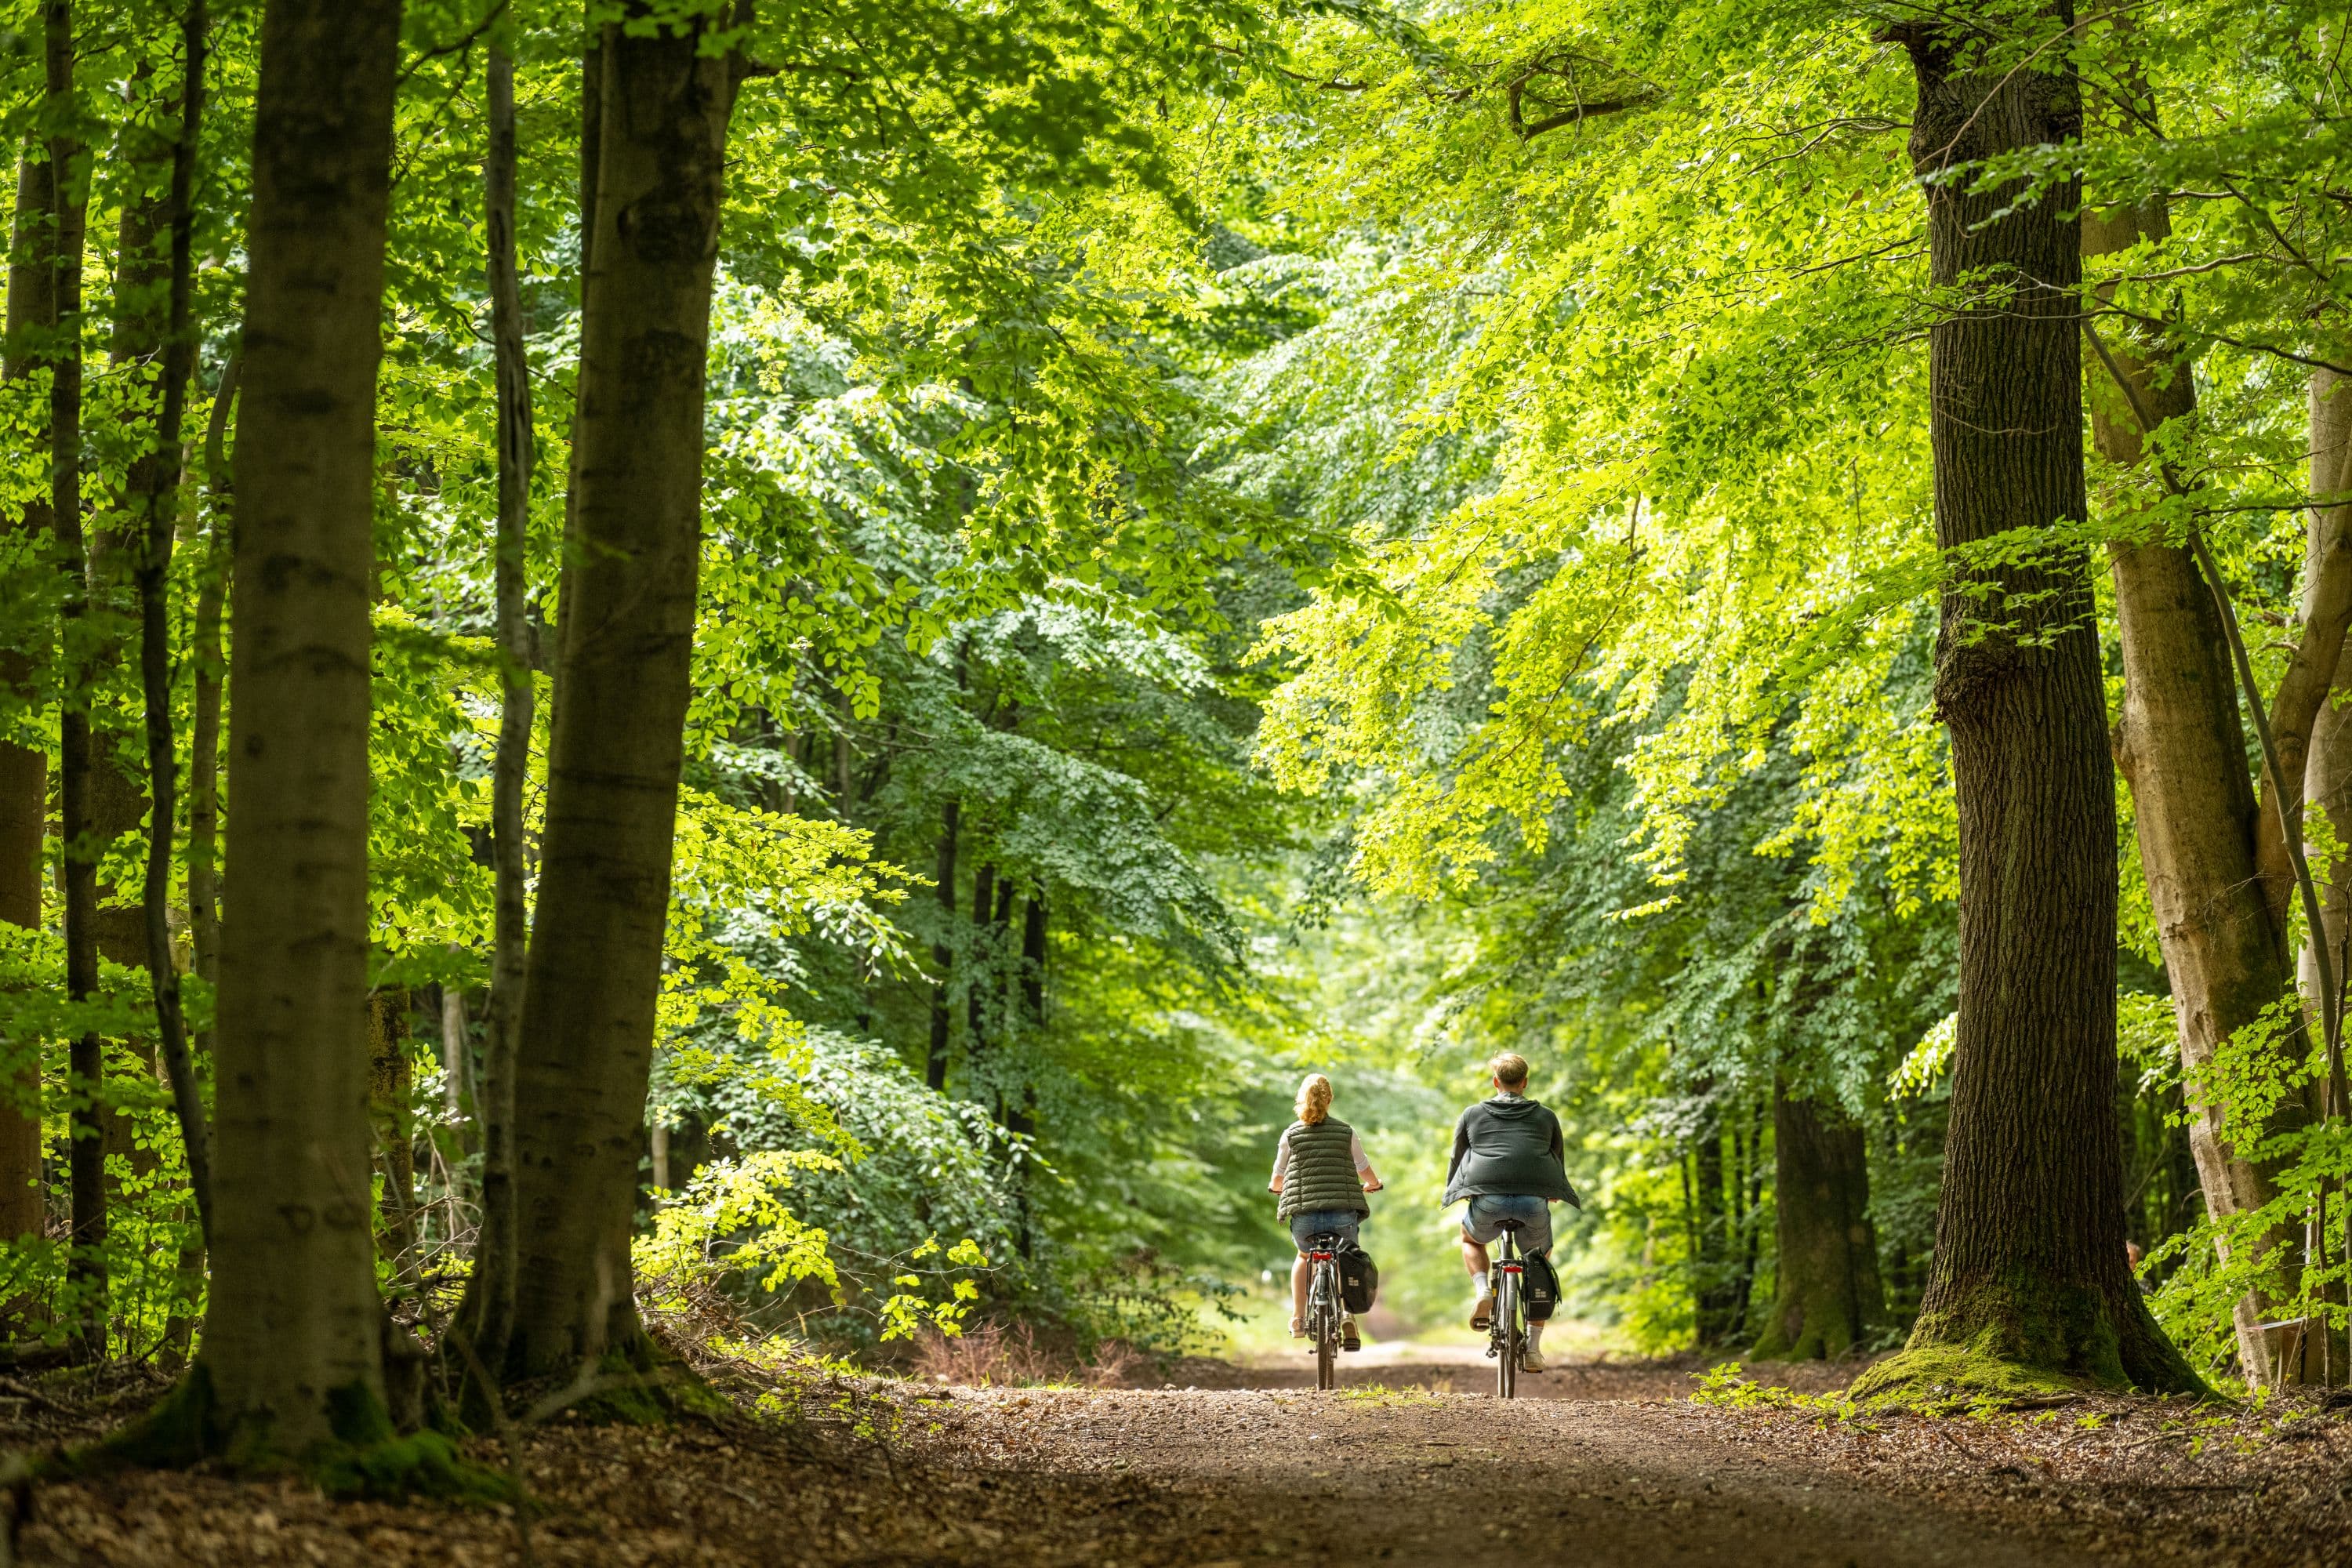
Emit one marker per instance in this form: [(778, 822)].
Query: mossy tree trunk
[(1827, 1298), (292, 1353), (585, 1050), (2029, 1286)]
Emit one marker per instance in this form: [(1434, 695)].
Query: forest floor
[(1605, 1462)]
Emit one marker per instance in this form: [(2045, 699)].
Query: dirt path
[(1612, 1469), (1415, 1479)]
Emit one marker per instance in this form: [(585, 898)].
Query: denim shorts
[(1324, 1221), (1481, 1221)]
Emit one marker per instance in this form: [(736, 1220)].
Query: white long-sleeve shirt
[(1355, 1152)]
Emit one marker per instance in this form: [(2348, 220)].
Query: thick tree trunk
[(293, 1341), (2029, 1282), (935, 1064), (1828, 1296), (24, 770), (584, 1052), (2180, 746)]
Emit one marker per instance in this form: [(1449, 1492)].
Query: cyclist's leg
[(1301, 1271), (1477, 1230)]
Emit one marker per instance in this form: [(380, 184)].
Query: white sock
[(1485, 1286), (1535, 1336)]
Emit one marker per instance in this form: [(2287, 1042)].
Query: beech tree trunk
[(24, 770), (292, 1343), (1829, 1297), (584, 1053), (2180, 746), (2029, 1270)]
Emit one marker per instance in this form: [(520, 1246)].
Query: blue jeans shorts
[(1481, 1221), (1323, 1222)]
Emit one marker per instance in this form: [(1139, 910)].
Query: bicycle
[(1326, 1313), (1507, 1333)]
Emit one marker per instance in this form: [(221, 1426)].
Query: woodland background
[(1234, 540)]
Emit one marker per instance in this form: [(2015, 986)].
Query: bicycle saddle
[(1510, 1225)]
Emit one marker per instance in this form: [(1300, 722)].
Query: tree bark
[(292, 1341), (2029, 1283), (495, 1107), (935, 1064), (86, 1162), (584, 1052), (2214, 858), (207, 670), (391, 1079), (1829, 1297), (24, 770)]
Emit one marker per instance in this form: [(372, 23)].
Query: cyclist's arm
[(1281, 1166), (1364, 1173), (1461, 1146)]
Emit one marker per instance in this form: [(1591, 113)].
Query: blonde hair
[(1510, 1070), (1314, 1102)]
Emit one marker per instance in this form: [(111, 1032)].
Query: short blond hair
[(1509, 1068), (1314, 1102)]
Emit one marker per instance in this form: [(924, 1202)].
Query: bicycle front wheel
[(1507, 1337)]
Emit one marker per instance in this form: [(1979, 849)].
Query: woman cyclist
[(1321, 1177)]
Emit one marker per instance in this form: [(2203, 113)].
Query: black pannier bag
[(1540, 1285), (1359, 1277)]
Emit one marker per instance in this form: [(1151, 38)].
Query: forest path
[(1406, 1475), (1608, 1465)]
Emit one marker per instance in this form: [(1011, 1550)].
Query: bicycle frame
[(1506, 1334), (1325, 1311)]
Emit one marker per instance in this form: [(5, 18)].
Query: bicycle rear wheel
[(1508, 1338), (1327, 1360)]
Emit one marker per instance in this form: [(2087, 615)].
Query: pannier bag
[(1541, 1287), (1359, 1278)]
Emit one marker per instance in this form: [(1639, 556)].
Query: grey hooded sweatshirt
[(1508, 1146)]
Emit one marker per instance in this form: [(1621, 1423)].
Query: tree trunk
[(584, 1052), (2218, 896), (494, 1106), (292, 1343), (203, 724), (158, 496), (2029, 1286), (24, 770), (1829, 1297), (2301, 1355), (86, 1164), (391, 1079), (935, 1064)]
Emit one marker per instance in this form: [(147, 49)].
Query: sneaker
[(1531, 1356), (1482, 1313), (1349, 1339), (1297, 1328)]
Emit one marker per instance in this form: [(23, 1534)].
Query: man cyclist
[(1509, 1160)]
